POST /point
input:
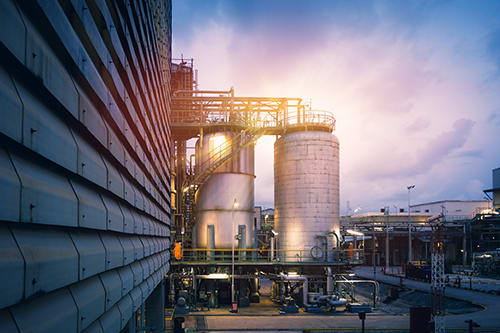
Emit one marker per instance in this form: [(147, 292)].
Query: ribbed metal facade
[(306, 192), (84, 162)]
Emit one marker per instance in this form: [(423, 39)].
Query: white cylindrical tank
[(306, 193), (215, 197)]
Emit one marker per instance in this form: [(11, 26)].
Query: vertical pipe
[(387, 248), (210, 241), (272, 248), (242, 241), (464, 247), (232, 253), (329, 281), (410, 255), (373, 250)]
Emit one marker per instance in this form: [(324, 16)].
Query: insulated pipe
[(375, 287), (337, 244), (329, 281), (305, 288)]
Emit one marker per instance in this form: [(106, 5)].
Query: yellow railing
[(342, 256)]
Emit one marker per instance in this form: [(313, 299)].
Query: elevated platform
[(202, 111)]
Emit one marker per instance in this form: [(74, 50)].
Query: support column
[(155, 309)]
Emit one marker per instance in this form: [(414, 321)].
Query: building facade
[(85, 164), (452, 210)]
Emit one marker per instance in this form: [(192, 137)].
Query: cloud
[(493, 49), (418, 125), (410, 85)]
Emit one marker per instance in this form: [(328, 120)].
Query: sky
[(414, 86)]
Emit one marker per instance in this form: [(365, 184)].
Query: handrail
[(346, 256)]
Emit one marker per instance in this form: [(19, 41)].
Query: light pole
[(410, 256), (235, 205)]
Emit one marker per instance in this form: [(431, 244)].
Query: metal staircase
[(217, 157)]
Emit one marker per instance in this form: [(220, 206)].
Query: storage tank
[(215, 197), (306, 194)]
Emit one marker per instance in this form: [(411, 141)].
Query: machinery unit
[(306, 194), (226, 196)]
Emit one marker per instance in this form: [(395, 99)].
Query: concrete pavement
[(488, 318)]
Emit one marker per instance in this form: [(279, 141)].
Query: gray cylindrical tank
[(306, 192), (215, 197)]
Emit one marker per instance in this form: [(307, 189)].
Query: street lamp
[(235, 205), (409, 224)]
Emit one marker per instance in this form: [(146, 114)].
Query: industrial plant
[(129, 201), (221, 257)]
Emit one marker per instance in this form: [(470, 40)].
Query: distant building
[(453, 210), (495, 189)]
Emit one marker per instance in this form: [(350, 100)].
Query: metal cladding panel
[(111, 320), (114, 250), (138, 223), (138, 248), (47, 67), (13, 30), (7, 323), (129, 192), (136, 295), (81, 133), (128, 249), (151, 264), (115, 215), (94, 328), (146, 225), (128, 219), (91, 253), (138, 197), (137, 273), (50, 256), (127, 278), (91, 118), (145, 290), (90, 298), (46, 197), (91, 209), (58, 306), (46, 133), (125, 307), (112, 285), (90, 163), (151, 284), (12, 108), (115, 146), (115, 181), (12, 269), (145, 268), (9, 183), (147, 246)]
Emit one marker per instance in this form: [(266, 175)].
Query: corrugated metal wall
[(84, 161)]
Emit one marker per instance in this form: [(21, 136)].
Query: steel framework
[(438, 277)]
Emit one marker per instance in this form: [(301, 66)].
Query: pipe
[(375, 287), (329, 281), (305, 288), (337, 244)]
